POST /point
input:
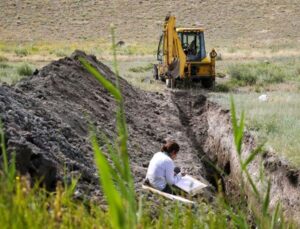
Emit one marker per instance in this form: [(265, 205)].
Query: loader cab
[(193, 44)]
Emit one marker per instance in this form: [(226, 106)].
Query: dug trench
[(46, 118)]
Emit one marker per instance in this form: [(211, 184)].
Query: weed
[(21, 51), (25, 70)]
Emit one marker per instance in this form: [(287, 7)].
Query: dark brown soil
[(46, 121)]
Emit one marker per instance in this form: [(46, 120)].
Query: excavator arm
[(174, 55)]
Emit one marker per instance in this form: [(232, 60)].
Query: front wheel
[(208, 83)]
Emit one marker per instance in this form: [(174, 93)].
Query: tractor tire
[(208, 83), (155, 72)]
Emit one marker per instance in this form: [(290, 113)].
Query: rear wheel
[(155, 72), (208, 83)]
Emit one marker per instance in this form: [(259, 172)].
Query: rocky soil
[(46, 120)]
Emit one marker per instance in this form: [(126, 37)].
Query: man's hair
[(170, 146)]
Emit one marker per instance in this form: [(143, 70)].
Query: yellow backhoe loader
[(181, 55)]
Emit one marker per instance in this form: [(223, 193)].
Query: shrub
[(21, 52), (25, 70), (257, 74)]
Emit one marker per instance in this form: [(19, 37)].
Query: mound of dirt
[(46, 120)]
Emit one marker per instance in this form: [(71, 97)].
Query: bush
[(25, 70), (257, 74), (21, 52)]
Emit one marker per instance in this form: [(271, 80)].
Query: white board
[(190, 185)]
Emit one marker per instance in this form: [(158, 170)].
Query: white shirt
[(161, 171)]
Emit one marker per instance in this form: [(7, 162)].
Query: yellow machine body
[(181, 54)]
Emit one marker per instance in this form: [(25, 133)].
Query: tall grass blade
[(238, 129), (3, 149), (275, 216), (114, 49), (253, 154), (111, 194), (267, 199), (252, 184), (106, 84)]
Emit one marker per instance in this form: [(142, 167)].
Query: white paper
[(190, 184)]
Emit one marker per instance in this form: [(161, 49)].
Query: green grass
[(277, 120), (25, 70)]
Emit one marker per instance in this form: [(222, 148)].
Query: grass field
[(276, 121)]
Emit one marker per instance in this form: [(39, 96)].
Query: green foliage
[(25, 70)]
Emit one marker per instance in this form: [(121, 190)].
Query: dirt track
[(46, 118)]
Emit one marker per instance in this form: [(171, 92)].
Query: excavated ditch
[(46, 118)]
